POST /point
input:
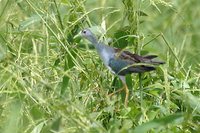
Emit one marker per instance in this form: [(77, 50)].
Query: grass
[(52, 82)]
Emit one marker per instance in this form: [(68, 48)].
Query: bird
[(121, 62)]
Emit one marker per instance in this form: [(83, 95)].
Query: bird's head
[(86, 33)]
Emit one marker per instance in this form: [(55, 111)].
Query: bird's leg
[(119, 90), (123, 79), (125, 87), (141, 89), (127, 94)]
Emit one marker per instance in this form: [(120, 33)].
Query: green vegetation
[(52, 82)]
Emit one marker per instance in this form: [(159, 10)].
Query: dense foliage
[(53, 81)]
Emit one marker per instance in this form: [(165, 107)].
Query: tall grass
[(52, 82)]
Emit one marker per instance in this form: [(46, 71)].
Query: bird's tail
[(150, 59), (156, 62)]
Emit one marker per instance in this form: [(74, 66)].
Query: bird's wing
[(126, 62), (123, 67), (134, 58), (126, 55)]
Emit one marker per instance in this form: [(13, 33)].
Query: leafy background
[(51, 81)]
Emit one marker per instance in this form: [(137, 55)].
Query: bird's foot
[(126, 92), (126, 97), (119, 90)]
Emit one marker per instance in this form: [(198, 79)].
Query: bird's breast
[(106, 56)]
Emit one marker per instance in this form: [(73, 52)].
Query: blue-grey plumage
[(121, 62), (106, 52), (123, 67)]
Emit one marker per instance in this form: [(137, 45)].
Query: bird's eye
[(84, 31)]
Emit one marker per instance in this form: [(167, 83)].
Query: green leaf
[(127, 124), (116, 84), (193, 102), (36, 113), (39, 127), (68, 65), (141, 13), (30, 21), (121, 38), (56, 124), (129, 81), (12, 117), (97, 30), (65, 78), (64, 84), (158, 123)]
